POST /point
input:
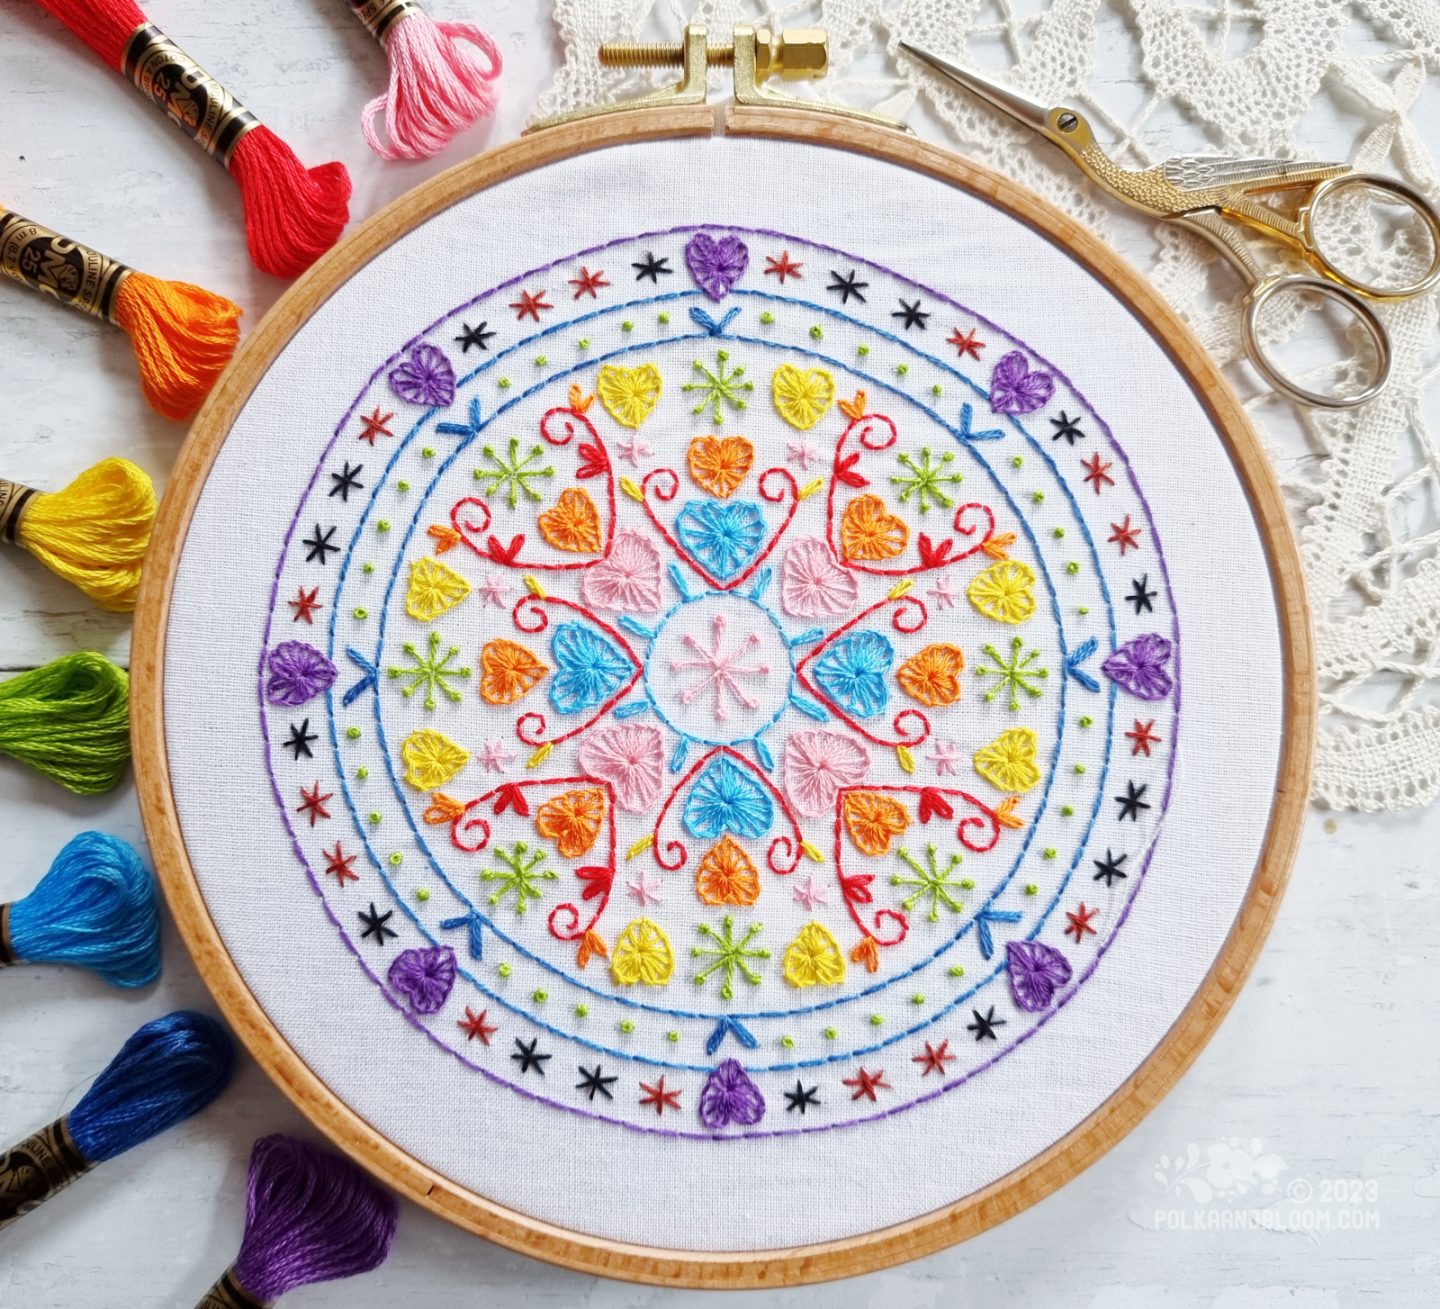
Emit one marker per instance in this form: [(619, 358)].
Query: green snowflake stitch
[(1015, 674), (519, 875), (513, 473), (430, 671), (930, 882), (721, 387), (925, 480), (729, 955)]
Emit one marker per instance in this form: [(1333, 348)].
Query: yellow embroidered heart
[(813, 958), (642, 954), (573, 523), (572, 820), (431, 759), (719, 464), (933, 675), (1005, 591), (727, 876), (802, 397), (1008, 762), (629, 394), (434, 588)]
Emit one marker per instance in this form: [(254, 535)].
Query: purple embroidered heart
[(729, 1096), (425, 378), (1015, 389), (1138, 666), (298, 672), (716, 265), (424, 977), (1035, 971)]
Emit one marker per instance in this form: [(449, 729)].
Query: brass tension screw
[(796, 53)]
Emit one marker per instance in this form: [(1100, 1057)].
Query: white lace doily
[(1160, 77)]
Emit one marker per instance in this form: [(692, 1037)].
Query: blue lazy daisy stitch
[(723, 537), (588, 669), (852, 672), (725, 800)]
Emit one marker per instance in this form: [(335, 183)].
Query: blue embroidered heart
[(588, 668), (728, 799), (723, 537), (852, 672)]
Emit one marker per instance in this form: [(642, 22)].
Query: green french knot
[(375, 818), (541, 361), (383, 525), (877, 1020), (1086, 721), (957, 970), (540, 996), (583, 343), (767, 318), (361, 774), (396, 858), (402, 486), (1038, 497), (353, 733), (582, 1011), (862, 350), (901, 369), (362, 614), (503, 384), (422, 894), (503, 970), (367, 569), (672, 1036), (626, 1025), (917, 998), (831, 1033), (1072, 568), (788, 1042), (816, 333), (627, 326), (1031, 889), (662, 318), (428, 452), (1018, 461)]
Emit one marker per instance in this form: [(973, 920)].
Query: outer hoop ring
[(1110, 1122)]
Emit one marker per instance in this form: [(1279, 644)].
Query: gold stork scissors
[(1214, 196)]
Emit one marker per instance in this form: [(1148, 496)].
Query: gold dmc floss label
[(227, 1293), (14, 500), (34, 1170), (198, 104), (73, 273), (379, 16)]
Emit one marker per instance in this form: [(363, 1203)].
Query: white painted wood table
[(1328, 1064)]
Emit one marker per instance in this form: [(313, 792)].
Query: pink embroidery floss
[(439, 82)]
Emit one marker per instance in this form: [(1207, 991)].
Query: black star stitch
[(1110, 867), (526, 1057), (652, 268), (345, 481), (476, 336), (1132, 802), (319, 544), (1141, 597), (593, 1081), (985, 1024), (913, 315), (846, 286), (800, 1098), (375, 922), (1066, 429), (299, 742)]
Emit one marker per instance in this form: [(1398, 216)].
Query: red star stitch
[(375, 425), (1143, 737), (474, 1025), (1080, 923), (782, 267), (966, 343), (935, 1058), (304, 604), (313, 803), (340, 864), (1098, 474), (529, 305), (587, 283), (867, 1083), (1124, 535), (660, 1097)]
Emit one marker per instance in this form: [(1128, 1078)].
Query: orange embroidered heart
[(933, 675), (719, 464), (727, 876), (873, 820), (507, 671), (870, 531), (572, 820), (573, 523)]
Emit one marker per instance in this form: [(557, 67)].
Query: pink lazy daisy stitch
[(631, 759), (812, 584), (817, 765), (629, 580)]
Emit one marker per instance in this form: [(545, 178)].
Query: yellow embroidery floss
[(94, 533)]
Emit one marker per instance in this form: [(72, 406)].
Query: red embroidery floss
[(442, 79), (292, 214)]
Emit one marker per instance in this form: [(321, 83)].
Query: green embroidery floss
[(70, 720)]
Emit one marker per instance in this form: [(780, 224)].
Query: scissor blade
[(1030, 112)]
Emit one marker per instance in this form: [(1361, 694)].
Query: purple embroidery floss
[(1015, 389), (716, 265), (310, 1216), (424, 977), (425, 378), (1037, 970), (298, 672), (1138, 666), (729, 1096)]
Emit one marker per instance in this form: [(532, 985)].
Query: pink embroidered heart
[(629, 579), (812, 584), (1036, 972), (716, 265)]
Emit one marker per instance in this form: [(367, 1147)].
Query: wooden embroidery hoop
[(776, 1267)]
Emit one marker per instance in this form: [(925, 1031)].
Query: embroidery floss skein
[(310, 1216), (93, 533), (182, 335), (438, 83), (292, 214), (94, 909), (69, 719), (170, 1069)]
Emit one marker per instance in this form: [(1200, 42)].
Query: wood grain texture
[(781, 1267)]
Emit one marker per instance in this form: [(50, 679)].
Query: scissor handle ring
[(1249, 325), (1390, 186)]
